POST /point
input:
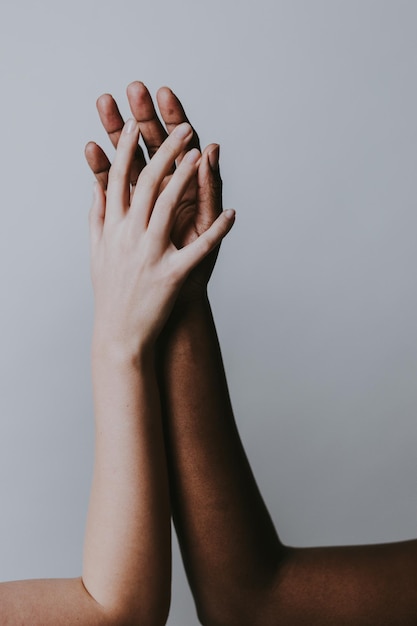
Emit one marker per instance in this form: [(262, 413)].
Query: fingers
[(152, 130), (97, 213), (209, 187), (173, 114), (113, 123), (118, 193), (196, 251), (143, 110), (98, 162), (165, 211), (154, 173)]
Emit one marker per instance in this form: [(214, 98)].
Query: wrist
[(119, 351), (184, 308), (187, 320)]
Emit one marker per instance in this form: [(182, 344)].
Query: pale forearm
[(126, 573), (137, 273), (129, 499)]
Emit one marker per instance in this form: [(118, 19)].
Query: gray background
[(314, 104)]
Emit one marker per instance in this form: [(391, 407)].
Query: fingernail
[(130, 125), (229, 213), (213, 158), (182, 131), (193, 155)]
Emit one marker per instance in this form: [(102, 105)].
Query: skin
[(239, 571), (137, 273)]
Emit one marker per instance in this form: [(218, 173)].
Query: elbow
[(146, 611), (254, 603), (242, 608), (158, 618), (230, 615), (152, 615)]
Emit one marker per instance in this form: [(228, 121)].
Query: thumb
[(208, 241), (209, 205)]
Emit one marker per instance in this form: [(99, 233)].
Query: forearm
[(360, 585), (127, 545), (126, 573), (239, 572), (229, 543)]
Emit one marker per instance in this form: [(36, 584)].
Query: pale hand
[(137, 270)]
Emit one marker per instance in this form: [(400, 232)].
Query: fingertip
[(182, 131), (136, 83), (104, 101), (169, 105), (164, 93), (193, 156), (90, 148), (227, 218), (230, 214), (87, 148), (213, 157), (210, 147), (131, 126), (209, 171), (136, 89)]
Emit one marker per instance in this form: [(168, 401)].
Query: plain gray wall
[(315, 106)]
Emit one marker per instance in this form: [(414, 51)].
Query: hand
[(137, 271), (202, 200)]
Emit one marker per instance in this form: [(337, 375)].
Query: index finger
[(113, 123), (141, 104)]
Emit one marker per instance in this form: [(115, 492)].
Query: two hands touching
[(201, 201), (151, 224)]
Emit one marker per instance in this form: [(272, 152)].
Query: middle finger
[(152, 131)]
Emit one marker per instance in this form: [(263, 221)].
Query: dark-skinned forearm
[(239, 572), (229, 544)]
